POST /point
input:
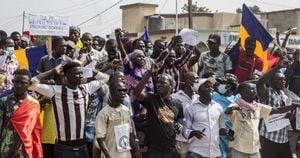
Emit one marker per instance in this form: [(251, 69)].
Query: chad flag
[(250, 26), (29, 58)]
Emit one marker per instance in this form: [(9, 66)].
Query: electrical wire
[(66, 8), (99, 13)]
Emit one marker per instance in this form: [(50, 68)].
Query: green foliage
[(255, 9), (195, 8)]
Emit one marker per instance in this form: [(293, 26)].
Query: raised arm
[(186, 56), (138, 90), (120, 44), (284, 109), (261, 83), (195, 58)]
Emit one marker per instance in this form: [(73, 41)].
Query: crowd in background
[(125, 97)]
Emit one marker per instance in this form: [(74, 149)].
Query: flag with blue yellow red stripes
[(250, 26), (29, 58)]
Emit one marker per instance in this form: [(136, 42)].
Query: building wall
[(282, 20), (133, 16)]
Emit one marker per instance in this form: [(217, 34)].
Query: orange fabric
[(27, 124)]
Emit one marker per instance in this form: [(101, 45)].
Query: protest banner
[(276, 122), (48, 25)]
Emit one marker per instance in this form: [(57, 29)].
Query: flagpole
[(176, 18)]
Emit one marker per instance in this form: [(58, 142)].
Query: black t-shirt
[(160, 120)]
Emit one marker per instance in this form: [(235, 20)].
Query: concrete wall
[(133, 16), (282, 20)]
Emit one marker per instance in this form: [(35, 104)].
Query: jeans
[(65, 151)]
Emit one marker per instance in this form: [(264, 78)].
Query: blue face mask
[(10, 51)]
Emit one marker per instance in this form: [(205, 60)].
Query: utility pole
[(176, 18), (190, 3), (23, 22)]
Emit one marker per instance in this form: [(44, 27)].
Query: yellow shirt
[(48, 131), (78, 45), (245, 126)]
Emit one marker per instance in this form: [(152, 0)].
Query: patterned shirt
[(11, 144), (275, 100), (133, 75), (218, 64), (7, 70)]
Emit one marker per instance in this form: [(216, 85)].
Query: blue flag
[(146, 36)]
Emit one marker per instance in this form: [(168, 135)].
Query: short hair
[(70, 65), (56, 40), (15, 33), (113, 76), (177, 39), (169, 77), (23, 72), (3, 42), (112, 85), (99, 39), (216, 37), (86, 34), (243, 86), (134, 43), (3, 34)]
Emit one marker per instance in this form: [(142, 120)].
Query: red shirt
[(246, 66)]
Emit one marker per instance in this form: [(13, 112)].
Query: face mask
[(195, 87), (222, 88), (10, 51)]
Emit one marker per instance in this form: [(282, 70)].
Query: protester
[(225, 95), (158, 48), (69, 105), (149, 48), (20, 128), (245, 114), (274, 144), (247, 62), (98, 43), (47, 63), (16, 37), (205, 122), (9, 65), (186, 96), (113, 125), (24, 42), (163, 112), (74, 35), (214, 60)]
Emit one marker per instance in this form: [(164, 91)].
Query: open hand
[(156, 67)]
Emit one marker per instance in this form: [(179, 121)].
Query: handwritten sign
[(276, 122), (189, 36), (49, 25)]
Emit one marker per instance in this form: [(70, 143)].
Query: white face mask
[(10, 51), (195, 87), (222, 88)]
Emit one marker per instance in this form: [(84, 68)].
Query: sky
[(11, 12)]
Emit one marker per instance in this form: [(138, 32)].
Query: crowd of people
[(125, 97)]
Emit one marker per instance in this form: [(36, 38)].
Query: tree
[(255, 9), (195, 8)]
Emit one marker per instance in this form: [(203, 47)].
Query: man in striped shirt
[(70, 103), (274, 144)]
